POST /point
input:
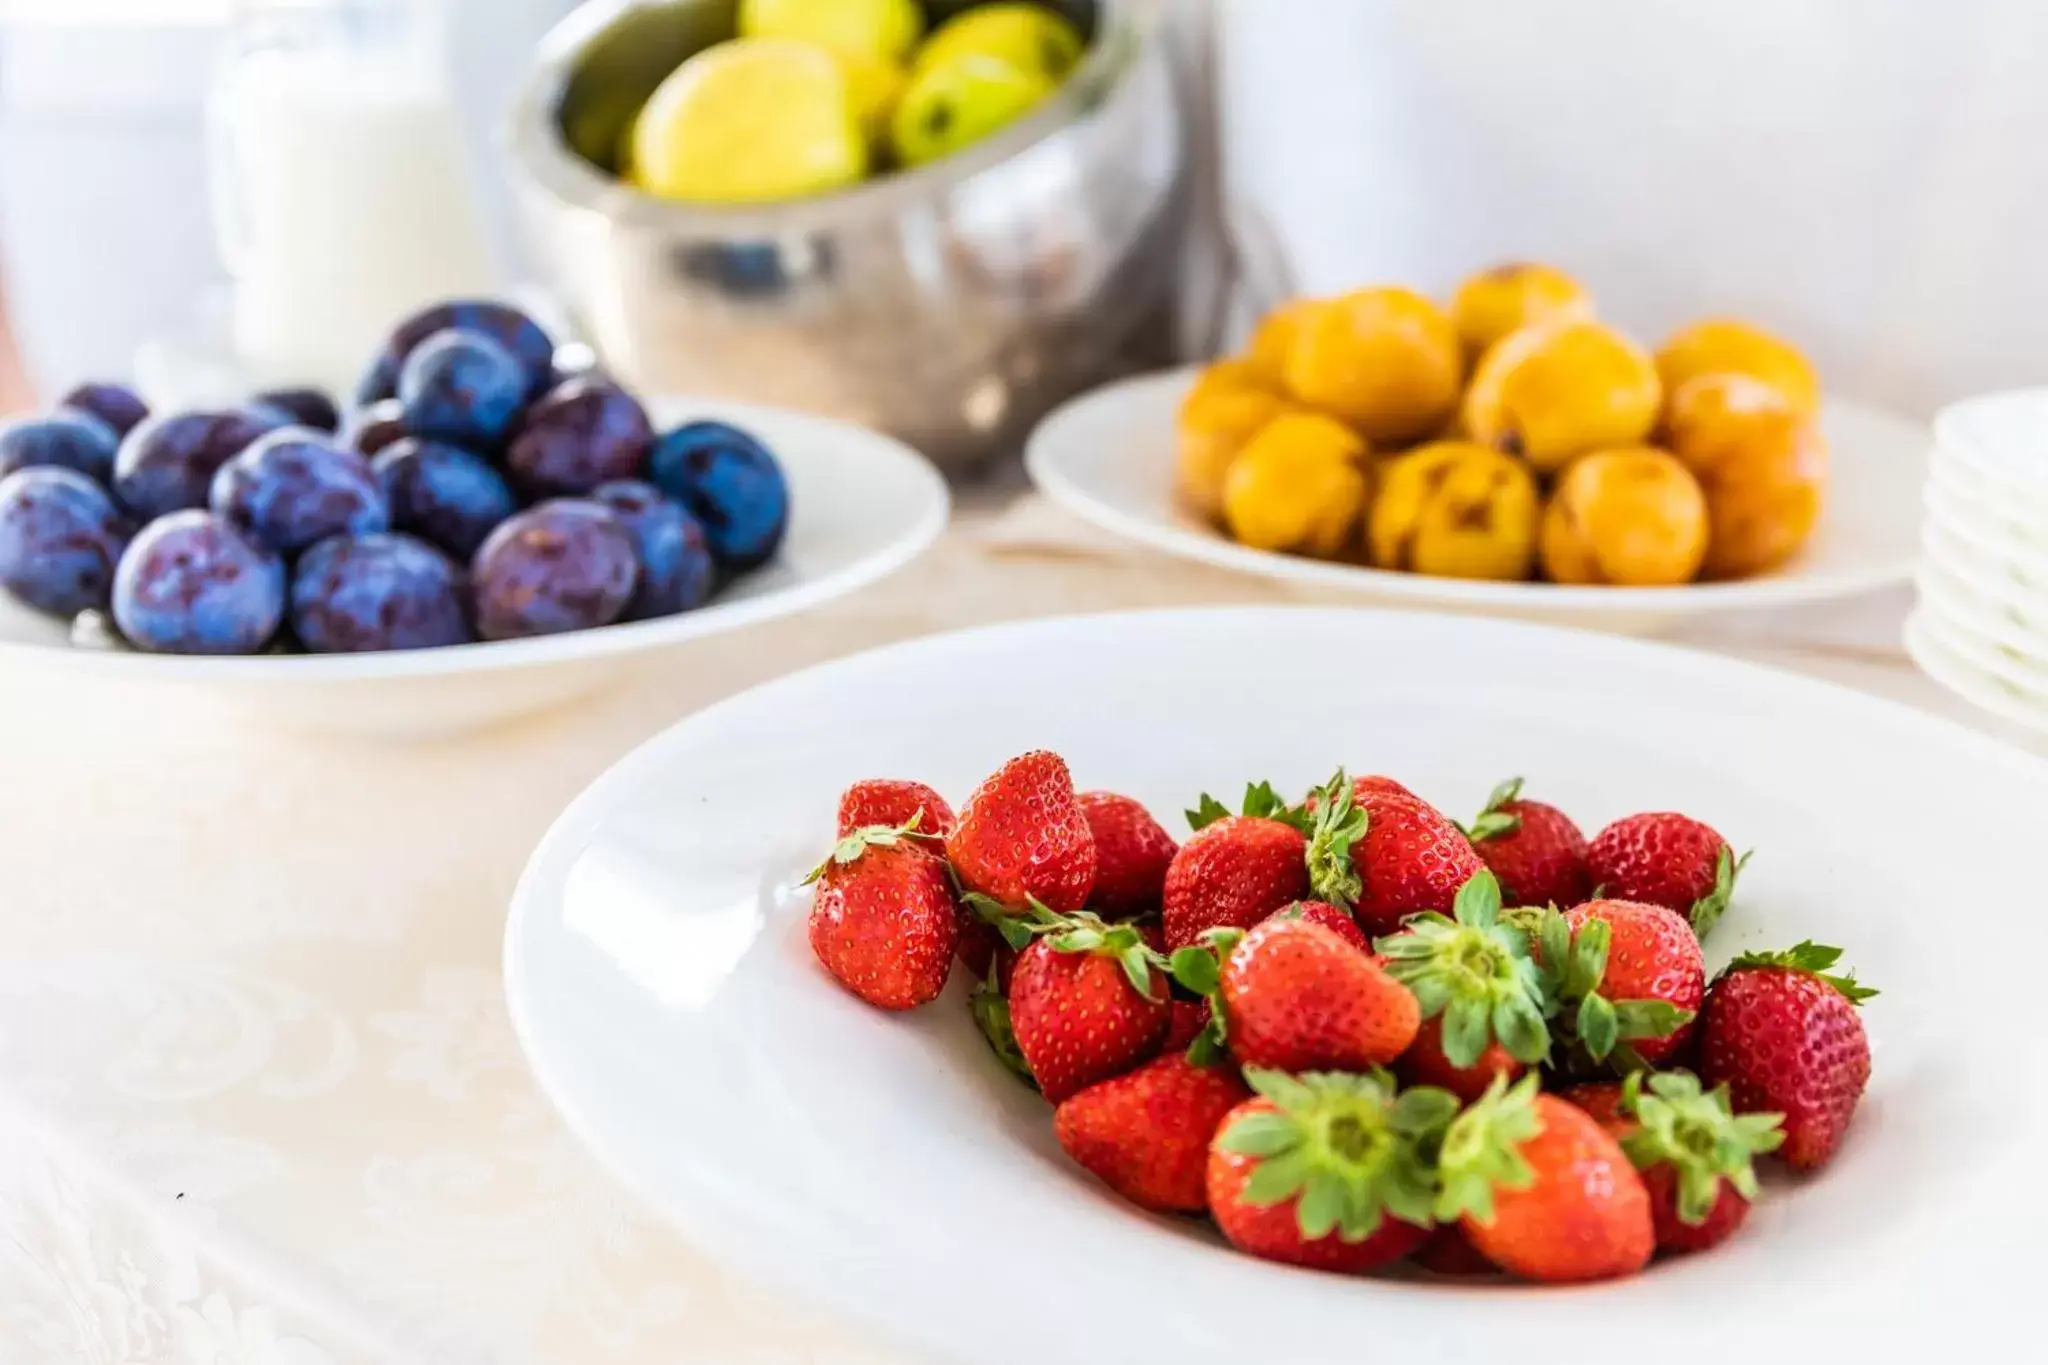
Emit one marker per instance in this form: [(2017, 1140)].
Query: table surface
[(259, 1100)]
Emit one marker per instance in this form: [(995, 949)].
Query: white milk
[(343, 204)]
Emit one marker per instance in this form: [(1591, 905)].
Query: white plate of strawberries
[(932, 984)]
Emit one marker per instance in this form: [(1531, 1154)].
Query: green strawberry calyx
[(1707, 910), (1340, 822), (1262, 801), (1814, 959), (991, 1013), (1476, 970), (1348, 1149), (1698, 1134), (1482, 1151), (1574, 966), (1198, 968), (856, 842), (1081, 932), (1496, 821)]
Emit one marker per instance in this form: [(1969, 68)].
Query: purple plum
[(119, 406), (587, 431), (310, 408), (168, 462), (731, 483), (190, 583), (355, 594), (443, 494), (462, 387), (291, 489), (507, 326), (562, 565), (368, 430), (676, 569), (69, 440), (61, 535)]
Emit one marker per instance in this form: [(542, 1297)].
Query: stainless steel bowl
[(951, 306)]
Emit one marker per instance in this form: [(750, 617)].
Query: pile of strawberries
[(1352, 1031)]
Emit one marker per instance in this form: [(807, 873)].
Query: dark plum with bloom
[(505, 325), (462, 387), (191, 583), (119, 406), (61, 536), (587, 431), (443, 494), (66, 440), (310, 408), (357, 594), (563, 565), (676, 570), (291, 490), (731, 483), (369, 430), (167, 463)]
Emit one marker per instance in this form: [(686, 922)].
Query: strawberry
[(1626, 978), (1298, 997), (1190, 1021), (883, 919), (892, 801), (1146, 1133), (1236, 869), (1535, 850), (1328, 1171), (1087, 1001), (1669, 860), (1694, 1155), (1544, 1191), (1022, 836), (1450, 1252), (979, 943), (1783, 1035), (1385, 856), (1132, 853), (1327, 915), (1478, 987)]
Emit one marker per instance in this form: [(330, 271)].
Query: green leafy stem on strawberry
[(1698, 1135), (1808, 956), (856, 842), (1475, 969), (1574, 967)]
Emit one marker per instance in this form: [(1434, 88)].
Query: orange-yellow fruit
[(1300, 487), (1213, 429), (1496, 303), (1234, 374), (1273, 342), (1385, 360), (1554, 391), (1726, 345), (1633, 517), (1762, 463), (1456, 510)]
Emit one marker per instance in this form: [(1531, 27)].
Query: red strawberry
[(1297, 997), (1330, 917), (1280, 1188), (883, 920), (1477, 986), (1132, 852), (1386, 856), (1535, 849), (1450, 1252), (1087, 1002), (1669, 860), (979, 942), (1784, 1037), (1190, 1018), (1022, 836), (1628, 978), (1232, 874), (1543, 1190), (892, 801), (1146, 1133)]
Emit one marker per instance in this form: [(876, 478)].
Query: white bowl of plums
[(477, 534)]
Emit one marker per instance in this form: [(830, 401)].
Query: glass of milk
[(341, 190)]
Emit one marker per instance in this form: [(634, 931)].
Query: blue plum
[(69, 440), (562, 565), (290, 490), (191, 583), (168, 462), (61, 536), (462, 387), (443, 493), (303, 407), (730, 482), (585, 432), (370, 429), (676, 569), (355, 594), (119, 406), (506, 325)]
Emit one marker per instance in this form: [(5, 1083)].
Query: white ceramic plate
[(661, 985), (1109, 456), (1931, 642), (862, 506), (2002, 437)]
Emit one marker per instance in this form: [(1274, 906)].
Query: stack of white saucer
[(1981, 629)]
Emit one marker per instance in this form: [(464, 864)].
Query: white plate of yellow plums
[(1510, 454)]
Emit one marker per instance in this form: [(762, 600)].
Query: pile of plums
[(475, 491)]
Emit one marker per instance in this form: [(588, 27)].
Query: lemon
[(879, 30), (1028, 36), (957, 103), (751, 121), (876, 87)]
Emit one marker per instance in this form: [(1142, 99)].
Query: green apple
[(954, 104), (1028, 36), (751, 121), (878, 30)]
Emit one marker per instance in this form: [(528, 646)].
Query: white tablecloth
[(259, 1102)]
